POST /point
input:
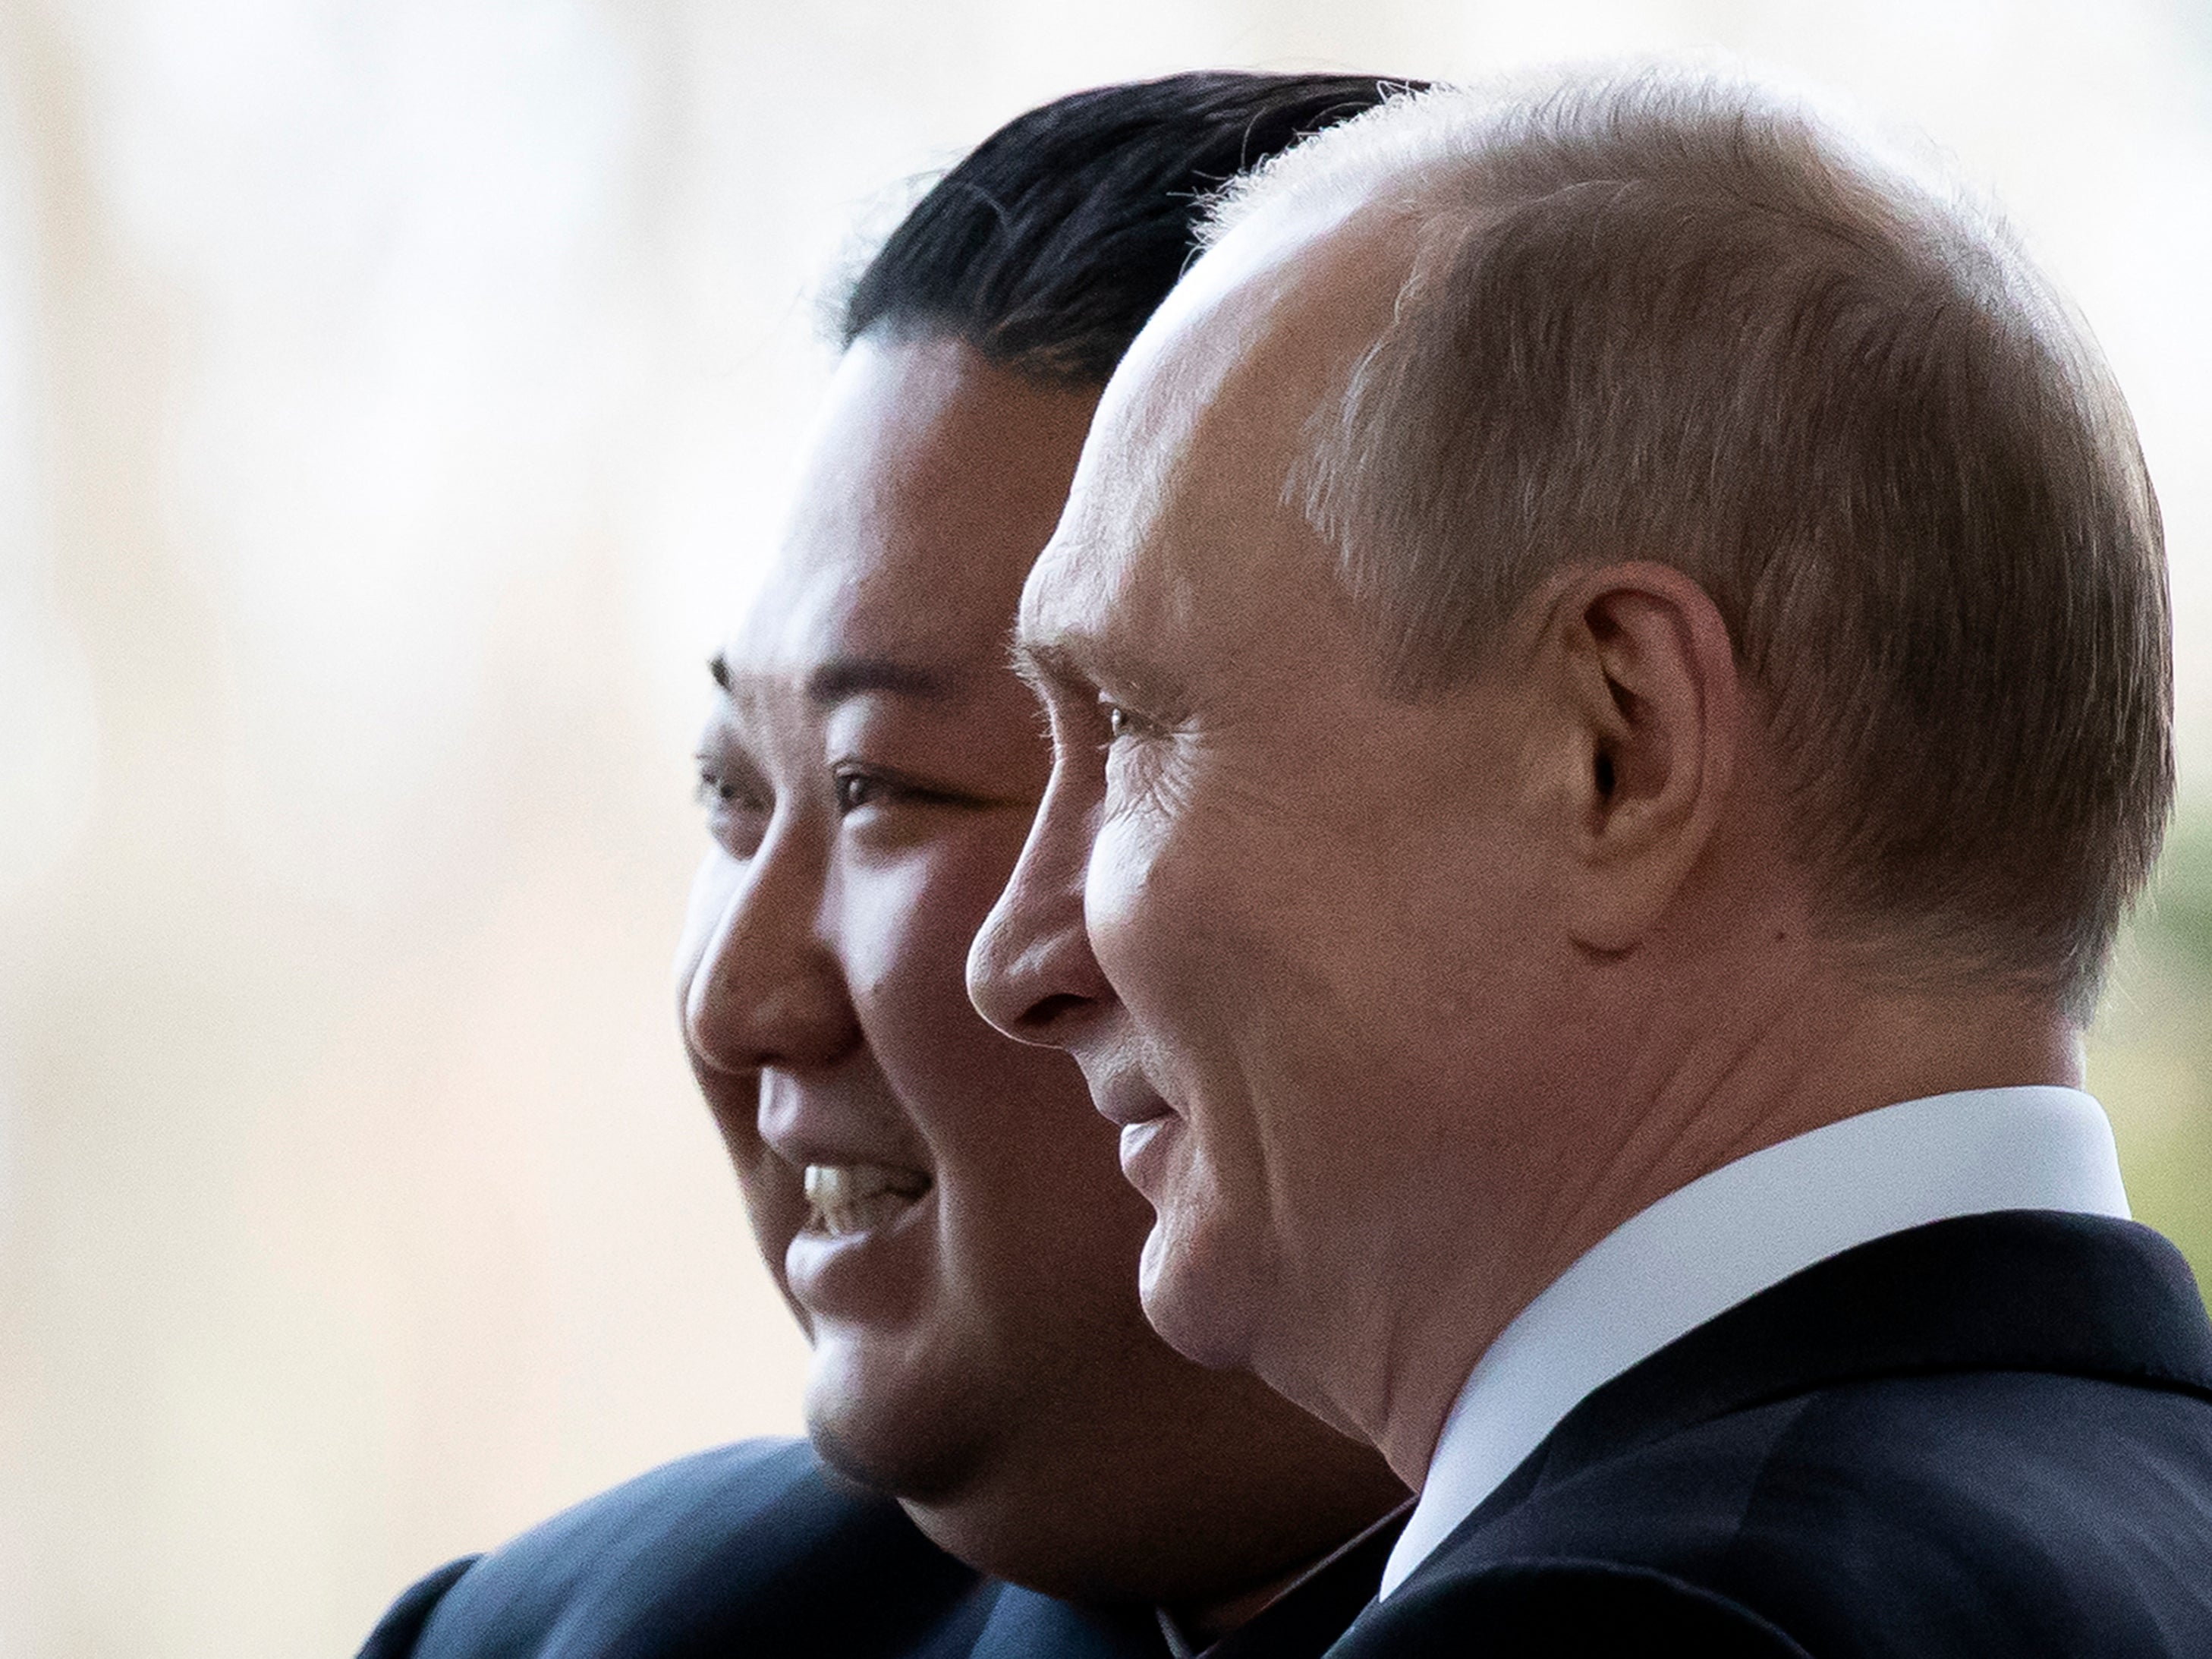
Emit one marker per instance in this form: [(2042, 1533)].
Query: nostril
[(1047, 1011)]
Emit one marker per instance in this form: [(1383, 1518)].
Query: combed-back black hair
[(1048, 245)]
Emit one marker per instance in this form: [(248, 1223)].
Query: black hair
[(1049, 244)]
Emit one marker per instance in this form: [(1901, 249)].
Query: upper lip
[(804, 1126), (1128, 1099)]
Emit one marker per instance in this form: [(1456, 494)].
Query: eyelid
[(850, 770), (713, 792), (728, 777), (1063, 689), (1124, 721), (843, 775)]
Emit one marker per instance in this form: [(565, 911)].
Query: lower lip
[(853, 1275), (1145, 1152)]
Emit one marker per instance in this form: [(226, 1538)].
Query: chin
[(1024, 1523), (1207, 1329), (910, 1437), (953, 1488)]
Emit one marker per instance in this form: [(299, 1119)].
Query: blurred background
[(396, 400)]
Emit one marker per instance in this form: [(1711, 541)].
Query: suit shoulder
[(2026, 1512), (1978, 1511), (1511, 1608), (729, 1485), (732, 1542), (401, 1628)]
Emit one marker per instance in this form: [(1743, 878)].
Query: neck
[(1666, 1107)]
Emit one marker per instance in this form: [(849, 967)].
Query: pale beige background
[(395, 398)]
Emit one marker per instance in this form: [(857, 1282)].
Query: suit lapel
[(1023, 1625), (2015, 1290)]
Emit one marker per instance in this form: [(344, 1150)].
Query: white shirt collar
[(1730, 1235)]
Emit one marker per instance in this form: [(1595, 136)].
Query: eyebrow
[(842, 677), (1081, 665), (1043, 665)]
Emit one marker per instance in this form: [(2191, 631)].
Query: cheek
[(1137, 910), (1040, 1232), (903, 930), (1169, 927), (1227, 951), (1177, 923)]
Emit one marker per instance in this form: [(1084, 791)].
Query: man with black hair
[(940, 1207)]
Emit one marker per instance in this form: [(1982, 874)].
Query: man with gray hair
[(1609, 673)]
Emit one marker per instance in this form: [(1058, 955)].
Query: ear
[(1651, 712)]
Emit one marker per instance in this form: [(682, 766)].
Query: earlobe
[(1652, 707)]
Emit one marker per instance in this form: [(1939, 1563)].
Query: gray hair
[(1670, 316)]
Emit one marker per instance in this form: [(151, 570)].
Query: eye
[(859, 789), (1120, 722), (713, 789), (861, 786), (737, 805), (867, 786)]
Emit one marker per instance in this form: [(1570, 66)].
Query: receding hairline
[(1455, 169), (1406, 139)]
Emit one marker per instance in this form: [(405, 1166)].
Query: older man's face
[(1281, 919)]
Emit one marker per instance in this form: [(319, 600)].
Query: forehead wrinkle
[(1090, 604)]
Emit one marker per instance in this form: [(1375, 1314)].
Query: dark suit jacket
[(1989, 1435), (757, 1550)]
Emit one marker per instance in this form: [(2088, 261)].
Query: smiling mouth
[(846, 1199)]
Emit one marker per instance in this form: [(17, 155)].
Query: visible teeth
[(851, 1198)]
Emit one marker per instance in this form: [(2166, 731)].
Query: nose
[(1030, 972), (761, 983)]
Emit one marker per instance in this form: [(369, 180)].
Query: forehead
[(932, 480), (1183, 491)]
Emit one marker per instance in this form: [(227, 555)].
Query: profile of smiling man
[(1003, 1459), (1609, 672)]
